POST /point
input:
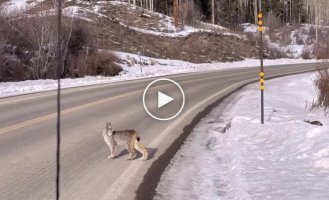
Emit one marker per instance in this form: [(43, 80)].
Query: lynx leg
[(141, 148), (132, 152), (112, 148), (109, 144)]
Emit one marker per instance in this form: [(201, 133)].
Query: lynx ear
[(108, 124)]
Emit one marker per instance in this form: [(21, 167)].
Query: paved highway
[(28, 135)]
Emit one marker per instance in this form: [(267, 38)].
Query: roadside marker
[(261, 74)]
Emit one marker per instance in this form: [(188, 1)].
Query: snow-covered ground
[(151, 67), (300, 39), (166, 23), (13, 6), (232, 156)]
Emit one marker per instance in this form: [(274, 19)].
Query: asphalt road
[(28, 134)]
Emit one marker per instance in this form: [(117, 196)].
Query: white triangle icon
[(163, 99)]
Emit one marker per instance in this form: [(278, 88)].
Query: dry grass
[(306, 53), (273, 23), (28, 50), (269, 51), (103, 64), (321, 50), (322, 84)]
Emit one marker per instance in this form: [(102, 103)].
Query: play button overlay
[(163, 99)]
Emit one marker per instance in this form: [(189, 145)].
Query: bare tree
[(320, 10), (175, 12), (151, 3), (3, 59), (250, 2), (3, 42), (213, 11), (44, 42)]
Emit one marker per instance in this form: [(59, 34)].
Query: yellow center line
[(51, 92), (67, 111)]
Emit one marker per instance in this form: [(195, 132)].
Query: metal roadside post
[(261, 74), (140, 61)]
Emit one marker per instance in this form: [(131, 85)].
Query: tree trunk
[(317, 23), (307, 12), (175, 13), (213, 11), (255, 12), (290, 11)]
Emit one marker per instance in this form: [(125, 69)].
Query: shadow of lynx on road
[(151, 152)]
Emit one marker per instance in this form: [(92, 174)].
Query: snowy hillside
[(291, 41), (105, 26), (232, 156)]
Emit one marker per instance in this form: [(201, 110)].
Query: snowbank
[(151, 67), (233, 156)]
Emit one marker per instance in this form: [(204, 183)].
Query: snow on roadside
[(151, 67), (181, 33), (299, 40), (233, 156), (13, 6), (159, 67)]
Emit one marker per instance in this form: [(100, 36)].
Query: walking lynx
[(127, 138)]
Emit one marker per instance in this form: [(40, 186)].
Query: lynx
[(127, 138)]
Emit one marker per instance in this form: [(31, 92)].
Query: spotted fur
[(127, 138)]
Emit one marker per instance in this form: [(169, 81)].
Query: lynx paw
[(142, 159), (128, 158), (111, 157), (131, 157)]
